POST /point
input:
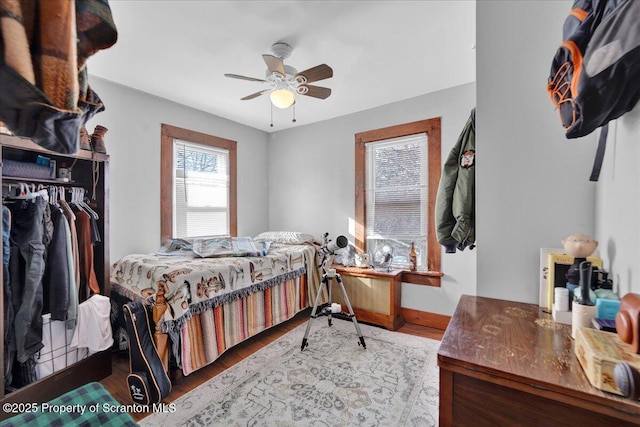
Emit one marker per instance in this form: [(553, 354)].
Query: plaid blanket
[(88, 406), (45, 93)]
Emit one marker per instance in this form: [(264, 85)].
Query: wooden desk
[(504, 363)]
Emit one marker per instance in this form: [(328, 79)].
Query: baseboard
[(423, 318)]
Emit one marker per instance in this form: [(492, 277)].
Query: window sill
[(426, 278)]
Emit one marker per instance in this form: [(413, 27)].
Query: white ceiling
[(380, 52)]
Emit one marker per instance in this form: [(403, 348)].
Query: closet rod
[(66, 187), (12, 180)]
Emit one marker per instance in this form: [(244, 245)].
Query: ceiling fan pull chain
[(271, 104), (294, 113)]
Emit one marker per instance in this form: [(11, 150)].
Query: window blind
[(396, 196), (201, 190)]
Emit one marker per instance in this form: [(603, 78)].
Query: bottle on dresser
[(412, 257)]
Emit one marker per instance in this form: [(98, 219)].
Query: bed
[(204, 306)]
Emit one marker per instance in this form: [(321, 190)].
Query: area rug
[(333, 382)]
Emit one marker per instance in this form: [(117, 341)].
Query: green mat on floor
[(89, 405)]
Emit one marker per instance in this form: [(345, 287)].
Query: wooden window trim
[(168, 134), (433, 130)]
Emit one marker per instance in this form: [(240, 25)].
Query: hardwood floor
[(116, 383)]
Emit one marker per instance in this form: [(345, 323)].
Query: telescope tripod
[(327, 277)]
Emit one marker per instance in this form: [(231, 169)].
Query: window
[(396, 197), (397, 176), (198, 190)]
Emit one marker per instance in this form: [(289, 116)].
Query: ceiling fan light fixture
[(282, 98), (286, 82)]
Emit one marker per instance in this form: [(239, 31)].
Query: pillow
[(287, 237), (226, 247)]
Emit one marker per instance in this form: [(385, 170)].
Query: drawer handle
[(625, 411), (539, 387)]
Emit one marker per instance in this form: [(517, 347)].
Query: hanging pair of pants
[(26, 270), (8, 307)]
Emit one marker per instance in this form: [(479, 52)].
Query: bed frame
[(161, 339)]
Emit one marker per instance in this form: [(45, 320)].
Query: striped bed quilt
[(216, 303), (208, 334)]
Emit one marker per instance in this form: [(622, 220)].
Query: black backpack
[(595, 73)]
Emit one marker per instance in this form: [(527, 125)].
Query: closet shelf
[(27, 144)]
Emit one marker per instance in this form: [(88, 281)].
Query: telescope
[(326, 253), (331, 246)]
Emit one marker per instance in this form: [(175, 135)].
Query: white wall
[(312, 181), (618, 203), (133, 143), (319, 156), (532, 184)]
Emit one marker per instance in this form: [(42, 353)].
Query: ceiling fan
[(285, 81)]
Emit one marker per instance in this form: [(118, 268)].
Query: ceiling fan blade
[(319, 72), (274, 64), (254, 95), (316, 91), (252, 79)]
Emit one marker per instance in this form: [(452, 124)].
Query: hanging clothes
[(88, 281), (59, 283), (72, 310), (26, 269), (455, 201), (71, 221), (56, 276), (95, 231), (8, 306), (94, 325), (45, 246)]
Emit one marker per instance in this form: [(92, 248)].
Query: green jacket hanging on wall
[(455, 202)]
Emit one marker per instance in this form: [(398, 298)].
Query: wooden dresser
[(505, 363)]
